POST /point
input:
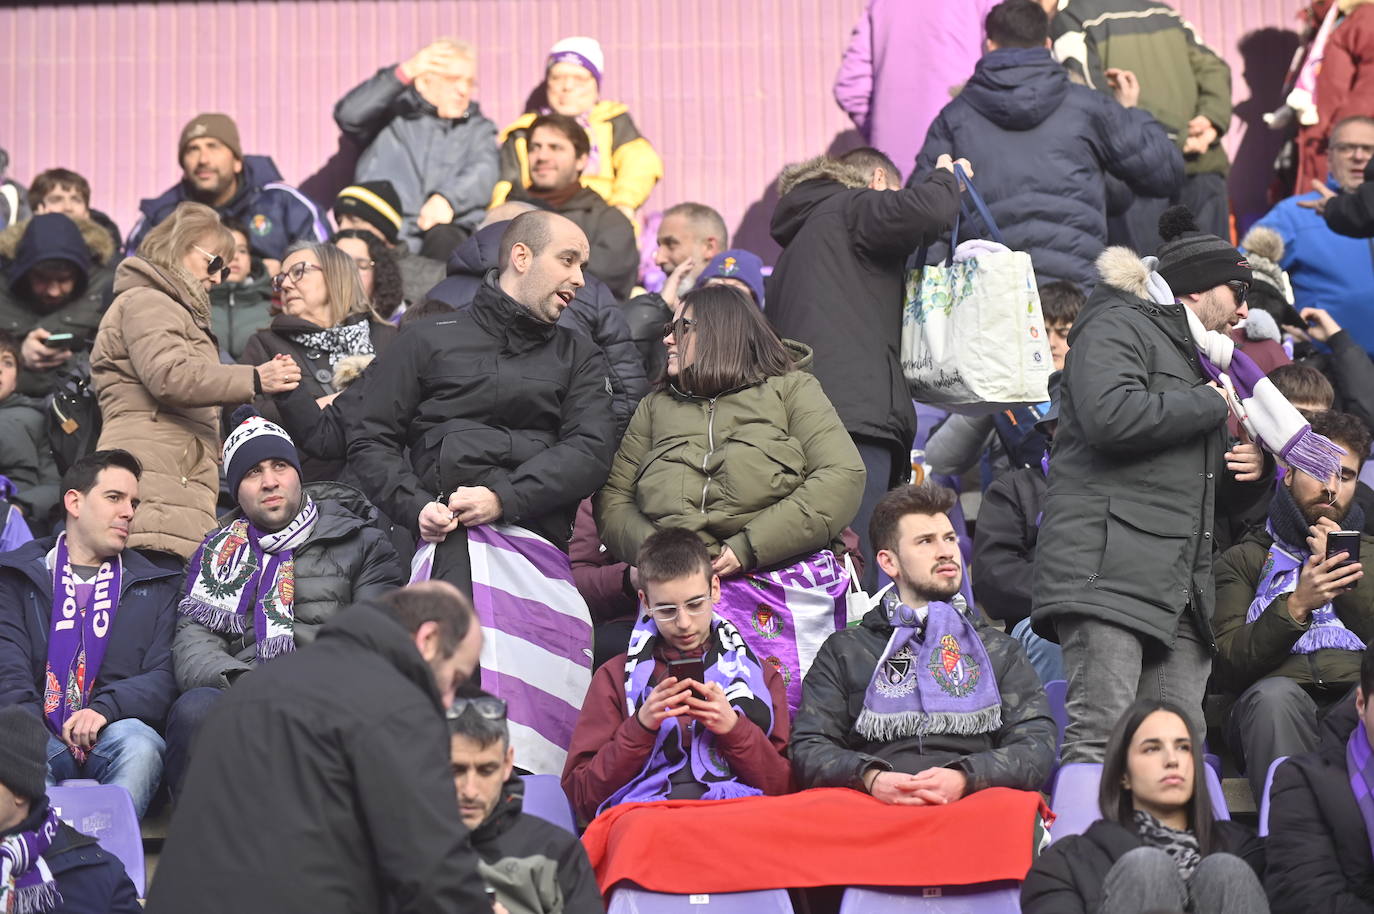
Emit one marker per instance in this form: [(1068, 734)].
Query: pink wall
[(729, 92)]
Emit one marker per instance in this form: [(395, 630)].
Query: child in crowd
[(25, 458)]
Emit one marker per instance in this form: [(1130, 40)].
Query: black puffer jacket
[(491, 397), (1003, 565), (827, 751), (346, 559)]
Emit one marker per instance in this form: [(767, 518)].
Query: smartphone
[(491, 894), (689, 668), (1344, 541), (62, 341)]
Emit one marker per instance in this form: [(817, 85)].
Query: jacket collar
[(508, 809), (506, 319), (30, 560)]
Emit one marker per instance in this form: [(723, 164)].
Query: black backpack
[(73, 418)]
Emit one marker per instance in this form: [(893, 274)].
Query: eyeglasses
[(487, 706), (680, 327), (667, 612), (216, 264), (1240, 288), (295, 274), (1348, 149)]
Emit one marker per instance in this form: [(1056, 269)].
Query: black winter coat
[(614, 257), (1068, 877), (135, 678), (838, 286), (344, 751), (1352, 213), (1003, 566), (1319, 854), (491, 397), (1043, 149), (593, 312), (90, 879)]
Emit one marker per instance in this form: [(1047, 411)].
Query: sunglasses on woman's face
[(216, 264), (679, 328), (296, 273)]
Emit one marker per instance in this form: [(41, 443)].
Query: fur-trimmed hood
[(1121, 268), (806, 185), (822, 167), (96, 236)]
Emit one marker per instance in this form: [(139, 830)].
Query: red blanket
[(829, 836)]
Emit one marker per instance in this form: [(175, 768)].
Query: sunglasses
[(1240, 288), (680, 327), (295, 274), (487, 706), (216, 264)]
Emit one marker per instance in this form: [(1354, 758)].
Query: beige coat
[(156, 369)]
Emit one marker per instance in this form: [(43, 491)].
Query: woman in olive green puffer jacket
[(739, 443)]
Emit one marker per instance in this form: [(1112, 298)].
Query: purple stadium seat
[(1074, 799), (1264, 800), (988, 898), (106, 813), (1219, 810), (630, 899), (1057, 692), (544, 797)]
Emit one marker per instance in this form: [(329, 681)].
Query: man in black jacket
[(321, 782), (86, 634), (837, 287)]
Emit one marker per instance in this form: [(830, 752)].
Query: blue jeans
[(1045, 656), (128, 753)]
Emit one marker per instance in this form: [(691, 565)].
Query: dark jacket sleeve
[(1353, 375), (1248, 652), (1303, 875), (380, 570), (147, 695), (577, 881), (467, 186), (366, 109), (201, 657), (612, 335), (19, 458), (1133, 146), (1003, 565), (894, 223), (1352, 214), (599, 578), (17, 683), (318, 432), (1049, 887), (1024, 750), (821, 728), (608, 746), (614, 255)]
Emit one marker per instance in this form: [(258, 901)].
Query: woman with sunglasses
[(1157, 846), (740, 444), (377, 268), (325, 318), (156, 367)]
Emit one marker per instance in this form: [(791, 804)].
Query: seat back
[(1218, 796), (1264, 799), (631, 899), (1074, 800), (986, 898), (106, 813), (544, 797), (1057, 691)]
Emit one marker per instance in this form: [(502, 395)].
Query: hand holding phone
[(692, 668), (1347, 541), (62, 341)]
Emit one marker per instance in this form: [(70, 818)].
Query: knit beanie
[(23, 752), (217, 127), (585, 52), (374, 202), (252, 441), (736, 264), (1193, 261)]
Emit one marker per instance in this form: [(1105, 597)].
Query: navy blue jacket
[(276, 214), (1041, 149), (90, 879), (135, 678)]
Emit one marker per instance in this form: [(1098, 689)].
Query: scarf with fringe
[(26, 884)]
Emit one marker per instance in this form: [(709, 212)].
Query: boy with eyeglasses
[(532, 865), (688, 711)]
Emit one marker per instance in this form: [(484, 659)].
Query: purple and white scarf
[(82, 615), (730, 664), (240, 568), (1359, 765), (26, 884), (934, 676)]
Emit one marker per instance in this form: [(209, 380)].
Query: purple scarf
[(1359, 764), (26, 884), (960, 693), (77, 638), (730, 663)]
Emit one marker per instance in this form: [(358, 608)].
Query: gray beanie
[(23, 752)]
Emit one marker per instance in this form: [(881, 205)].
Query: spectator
[(44, 856), (374, 206), (1331, 271), (428, 138), (1344, 88), (871, 718), (242, 304), (647, 733), (377, 269), (1183, 83), (57, 281), (558, 151), (621, 166), (1292, 622), (1060, 303), (593, 313), (532, 865), (1156, 847), (262, 584), (1123, 575), (1320, 820), (843, 242), (86, 638), (14, 203), (248, 189), (1305, 387), (160, 382), (1047, 148), (26, 460), (903, 63), (738, 269), (60, 190), (346, 752), (1346, 365)]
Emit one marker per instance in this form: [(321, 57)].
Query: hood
[(480, 253), (258, 172), (1121, 268), (800, 353), (99, 242), (1017, 88), (51, 236), (804, 186), (370, 627)]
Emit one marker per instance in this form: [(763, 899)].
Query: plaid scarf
[(1181, 846), (339, 341), (240, 567), (1359, 765), (959, 696), (730, 663), (26, 884)]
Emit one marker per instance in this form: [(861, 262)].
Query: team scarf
[(1287, 527), (958, 696), (728, 662), (1359, 765), (240, 568), (77, 638), (26, 884), (338, 342), (1272, 422)]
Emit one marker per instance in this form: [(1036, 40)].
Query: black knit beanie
[(23, 752), (1193, 261), (374, 202)]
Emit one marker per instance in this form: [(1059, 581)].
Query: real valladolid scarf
[(26, 884), (81, 619), (240, 568)]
